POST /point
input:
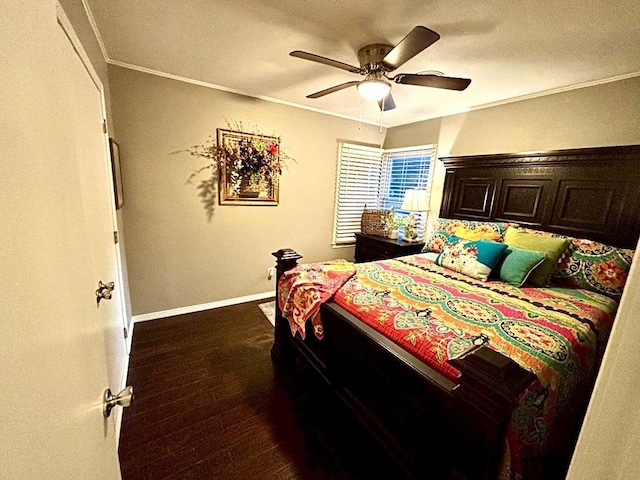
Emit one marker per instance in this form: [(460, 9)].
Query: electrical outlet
[(270, 273)]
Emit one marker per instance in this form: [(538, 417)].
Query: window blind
[(357, 185), (404, 169)]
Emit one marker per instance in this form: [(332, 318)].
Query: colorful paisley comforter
[(434, 313)]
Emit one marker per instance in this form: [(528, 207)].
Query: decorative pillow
[(475, 258), (552, 247), (450, 225), (541, 233), (470, 234), (436, 241), (594, 266), (443, 227), (517, 264)]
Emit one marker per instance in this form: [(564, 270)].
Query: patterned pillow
[(475, 258), (436, 241), (594, 266), (443, 227), (591, 265)]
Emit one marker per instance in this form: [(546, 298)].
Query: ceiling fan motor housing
[(370, 56)]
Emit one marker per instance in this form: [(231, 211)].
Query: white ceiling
[(509, 48)]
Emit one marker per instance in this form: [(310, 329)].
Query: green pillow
[(517, 264), (552, 247)]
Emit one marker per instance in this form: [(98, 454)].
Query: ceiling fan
[(378, 59)]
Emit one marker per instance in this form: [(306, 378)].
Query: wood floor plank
[(137, 433), (153, 414), (148, 410), (158, 449), (162, 383), (209, 405), (167, 359)]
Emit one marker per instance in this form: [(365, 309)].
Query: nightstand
[(372, 247)]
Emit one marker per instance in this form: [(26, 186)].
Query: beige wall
[(605, 114), (176, 257)]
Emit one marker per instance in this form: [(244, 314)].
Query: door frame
[(65, 24)]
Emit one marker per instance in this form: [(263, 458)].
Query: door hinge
[(115, 237), (126, 334), (104, 126)]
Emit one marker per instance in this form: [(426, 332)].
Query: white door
[(59, 351)]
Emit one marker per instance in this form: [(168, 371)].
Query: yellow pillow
[(469, 234)]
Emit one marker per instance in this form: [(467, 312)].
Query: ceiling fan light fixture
[(377, 60), (374, 89)]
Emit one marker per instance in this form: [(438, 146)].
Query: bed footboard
[(372, 375)]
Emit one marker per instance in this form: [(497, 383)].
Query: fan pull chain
[(360, 114), (381, 115)]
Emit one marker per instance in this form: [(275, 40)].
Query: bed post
[(491, 383), (282, 351), (491, 380)]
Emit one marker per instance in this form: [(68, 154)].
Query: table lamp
[(415, 200)]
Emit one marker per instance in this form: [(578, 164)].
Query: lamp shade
[(415, 200)]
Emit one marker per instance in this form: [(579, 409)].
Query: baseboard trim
[(198, 308)]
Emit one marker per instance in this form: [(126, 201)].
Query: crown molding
[(200, 83), (528, 96), (110, 61)]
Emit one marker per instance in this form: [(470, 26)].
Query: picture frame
[(234, 188), (116, 171)]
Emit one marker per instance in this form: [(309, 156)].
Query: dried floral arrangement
[(244, 166)]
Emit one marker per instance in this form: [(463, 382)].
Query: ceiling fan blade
[(325, 61), (417, 40), (387, 103), (434, 81), (327, 91)]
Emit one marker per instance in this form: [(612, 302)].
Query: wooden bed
[(433, 426)]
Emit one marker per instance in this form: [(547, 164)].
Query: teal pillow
[(552, 247), (474, 258), (517, 264)]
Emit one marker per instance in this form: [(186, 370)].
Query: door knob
[(109, 400), (105, 290)]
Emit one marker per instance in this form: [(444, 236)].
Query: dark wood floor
[(209, 405)]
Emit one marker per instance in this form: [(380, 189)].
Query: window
[(357, 185), (404, 169), (378, 179)]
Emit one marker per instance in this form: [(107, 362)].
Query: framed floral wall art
[(249, 168)]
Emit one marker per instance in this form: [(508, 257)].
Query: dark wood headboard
[(585, 193)]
